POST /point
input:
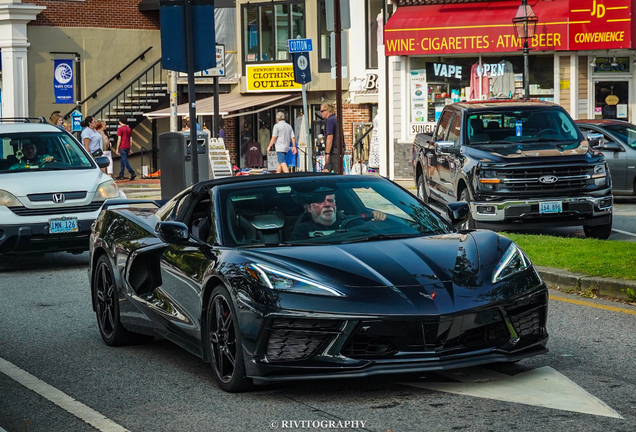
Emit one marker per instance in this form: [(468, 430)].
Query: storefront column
[(383, 62), (14, 17)]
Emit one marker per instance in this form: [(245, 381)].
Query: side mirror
[(458, 212), (611, 146), (445, 147), (172, 232), (595, 140), (102, 162)]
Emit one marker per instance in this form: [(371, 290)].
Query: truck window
[(455, 129), (442, 127)]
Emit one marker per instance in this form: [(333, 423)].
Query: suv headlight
[(600, 175), (281, 280), (512, 262), (7, 199), (106, 190)]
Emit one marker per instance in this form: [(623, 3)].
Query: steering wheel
[(545, 131), (54, 164), (364, 216)]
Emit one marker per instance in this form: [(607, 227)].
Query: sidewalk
[(560, 279)]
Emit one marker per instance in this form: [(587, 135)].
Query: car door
[(616, 159), (183, 268), (434, 159), (449, 162)]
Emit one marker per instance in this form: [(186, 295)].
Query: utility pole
[(338, 31), (194, 147)]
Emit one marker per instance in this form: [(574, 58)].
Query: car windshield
[(524, 125), (40, 151), (626, 133), (297, 211)]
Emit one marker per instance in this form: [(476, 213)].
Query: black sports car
[(279, 277)]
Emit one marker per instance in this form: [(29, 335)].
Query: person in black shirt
[(324, 219)]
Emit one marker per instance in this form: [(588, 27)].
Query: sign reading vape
[(63, 81), (448, 71)]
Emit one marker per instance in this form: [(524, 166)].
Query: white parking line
[(78, 409), (624, 232)]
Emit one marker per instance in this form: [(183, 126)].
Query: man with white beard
[(325, 220)]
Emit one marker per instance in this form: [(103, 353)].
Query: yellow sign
[(611, 100), (271, 78)]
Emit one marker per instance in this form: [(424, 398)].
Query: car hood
[(456, 267), (525, 152), (21, 184)]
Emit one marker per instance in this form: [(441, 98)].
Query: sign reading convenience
[(563, 26), (271, 78)]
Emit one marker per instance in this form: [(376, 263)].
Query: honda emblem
[(59, 198)]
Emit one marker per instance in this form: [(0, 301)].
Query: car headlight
[(600, 175), (7, 199), (106, 190), (512, 262), (280, 280)]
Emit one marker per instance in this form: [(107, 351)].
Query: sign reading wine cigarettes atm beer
[(568, 25)]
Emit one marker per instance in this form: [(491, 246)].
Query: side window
[(442, 127), (455, 129), (171, 208)]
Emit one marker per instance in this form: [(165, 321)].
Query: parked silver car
[(619, 147)]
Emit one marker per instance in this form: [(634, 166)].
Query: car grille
[(23, 211), (447, 335), (49, 196), (524, 181), (297, 339)]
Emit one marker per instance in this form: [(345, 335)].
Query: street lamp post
[(525, 23)]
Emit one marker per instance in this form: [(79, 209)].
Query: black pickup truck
[(520, 165)]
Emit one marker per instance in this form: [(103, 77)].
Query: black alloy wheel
[(421, 189), (106, 304), (470, 223), (226, 353)]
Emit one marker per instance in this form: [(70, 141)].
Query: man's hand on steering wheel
[(47, 159), (378, 215)]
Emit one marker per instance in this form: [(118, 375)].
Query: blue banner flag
[(63, 81)]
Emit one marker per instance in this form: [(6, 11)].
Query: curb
[(603, 287)]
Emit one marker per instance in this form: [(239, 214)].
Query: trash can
[(175, 153)]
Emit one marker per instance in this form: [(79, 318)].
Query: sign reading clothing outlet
[(271, 78)]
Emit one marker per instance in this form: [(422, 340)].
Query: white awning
[(229, 103)]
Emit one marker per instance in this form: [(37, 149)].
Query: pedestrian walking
[(91, 139), (282, 136), (328, 112), (57, 120), (53, 114), (106, 148), (124, 149)]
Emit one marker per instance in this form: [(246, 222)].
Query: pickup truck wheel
[(421, 189), (470, 223), (601, 232)]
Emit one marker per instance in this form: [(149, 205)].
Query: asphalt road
[(49, 342)]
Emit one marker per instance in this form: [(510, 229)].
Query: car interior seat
[(478, 133), (493, 124), (201, 223)]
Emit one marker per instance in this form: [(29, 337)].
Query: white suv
[(51, 189)]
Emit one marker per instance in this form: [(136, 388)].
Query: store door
[(611, 99)]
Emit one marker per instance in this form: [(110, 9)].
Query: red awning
[(487, 27)]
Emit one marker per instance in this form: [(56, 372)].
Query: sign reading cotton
[(63, 81)]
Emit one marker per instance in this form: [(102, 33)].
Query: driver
[(324, 219), (31, 158)]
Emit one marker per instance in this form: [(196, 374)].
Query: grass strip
[(602, 258)]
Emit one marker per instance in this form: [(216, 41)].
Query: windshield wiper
[(382, 237)]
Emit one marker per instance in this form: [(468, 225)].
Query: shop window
[(324, 39), (268, 26), (373, 14)]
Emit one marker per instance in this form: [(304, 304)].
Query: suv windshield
[(40, 151), (521, 126), (292, 212)]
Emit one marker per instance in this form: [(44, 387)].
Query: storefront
[(580, 58)]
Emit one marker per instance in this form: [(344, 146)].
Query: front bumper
[(35, 238), (328, 346), (577, 211)]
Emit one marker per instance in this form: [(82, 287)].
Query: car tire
[(421, 189), (601, 232), (224, 343), (470, 222), (106, 301)]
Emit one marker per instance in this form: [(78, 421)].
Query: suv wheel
[(601, 232), (470, 223), (421, 189)]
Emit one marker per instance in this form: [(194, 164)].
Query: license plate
[(550, 207), (63, 225)]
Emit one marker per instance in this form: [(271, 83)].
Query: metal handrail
[(114, 77)]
